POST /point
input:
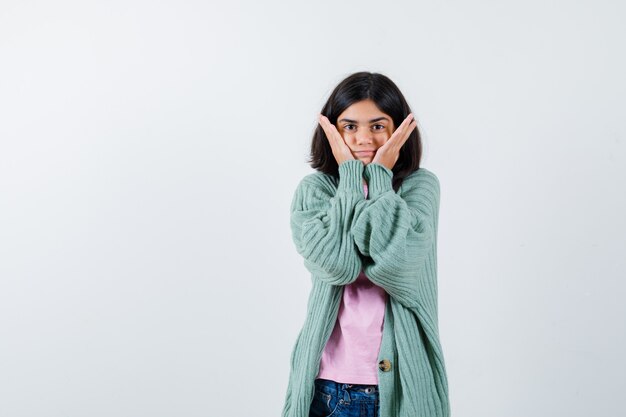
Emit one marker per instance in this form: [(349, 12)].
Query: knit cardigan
[(392, 236)]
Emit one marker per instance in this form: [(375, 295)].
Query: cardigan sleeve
[(320, 224), (397, 232)]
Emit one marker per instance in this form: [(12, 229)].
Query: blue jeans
[(336, 399)]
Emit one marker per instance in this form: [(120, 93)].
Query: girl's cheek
[(384, 137)]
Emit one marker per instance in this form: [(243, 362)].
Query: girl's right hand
[(340, 149)]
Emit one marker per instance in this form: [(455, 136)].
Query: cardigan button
[(384, 365)]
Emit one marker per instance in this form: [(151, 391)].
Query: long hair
[(388, 98)]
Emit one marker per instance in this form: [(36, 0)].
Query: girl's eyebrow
[(371, 121)]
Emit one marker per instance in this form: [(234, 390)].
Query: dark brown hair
[(388, 98)]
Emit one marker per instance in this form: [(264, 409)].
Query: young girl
[(366, 225)]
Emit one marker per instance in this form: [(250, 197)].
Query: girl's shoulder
[(420, 184), (318, 182), (421, 176)]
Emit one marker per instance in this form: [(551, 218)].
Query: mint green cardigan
[(393, 237)]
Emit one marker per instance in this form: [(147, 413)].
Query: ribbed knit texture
[(393, 237)]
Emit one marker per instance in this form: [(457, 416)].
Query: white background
[(148, 156)]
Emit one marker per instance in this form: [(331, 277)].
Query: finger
[(403, 131), (339, 147), (331, 130), (335, 140), (409, 130), (406, 123), (406, 132), (324, 122)]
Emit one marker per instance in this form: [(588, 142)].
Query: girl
[(366, 225)]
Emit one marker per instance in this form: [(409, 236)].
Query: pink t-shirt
[(351, 353)]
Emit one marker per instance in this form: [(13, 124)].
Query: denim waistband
[(337, 387)]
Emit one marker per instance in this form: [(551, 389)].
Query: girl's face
[(364, 128)]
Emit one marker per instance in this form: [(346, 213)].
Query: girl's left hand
[(389, 153)]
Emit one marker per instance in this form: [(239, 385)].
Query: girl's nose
[(364, 139)]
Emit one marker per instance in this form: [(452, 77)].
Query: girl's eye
[(380, 127)]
